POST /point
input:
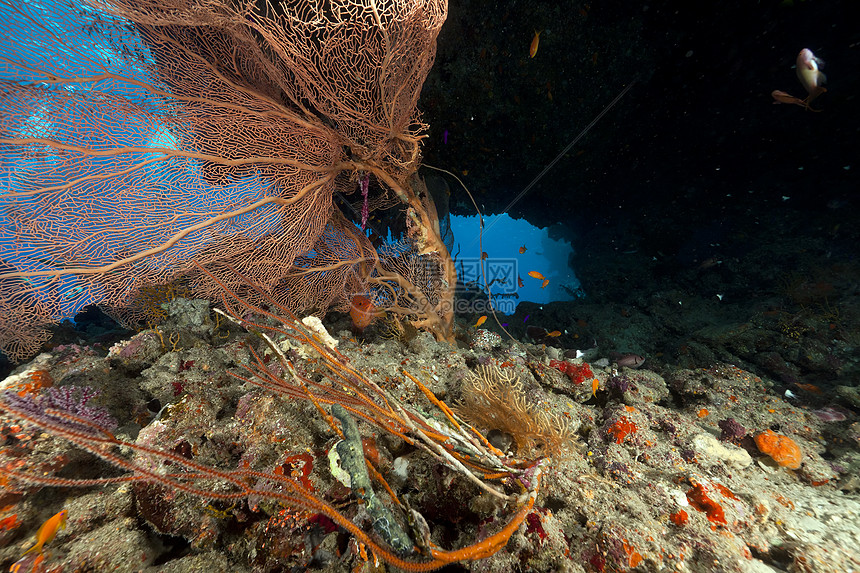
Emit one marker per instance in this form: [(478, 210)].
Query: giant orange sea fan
[(139, 136)]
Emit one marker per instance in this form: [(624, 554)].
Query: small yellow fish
[(554, 333), (534, 47), (481, 321), (523, 250), (536, 275), (545, 282), (45, 535)]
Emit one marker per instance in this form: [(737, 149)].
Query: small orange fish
[(782, 97), (536, 275), (809, 388), (484, 256), (46, 534), (520, 282), (481, 321), (554, 333), (362, 311), (534, 47), (523, 250), (595, 384), (545, 282)]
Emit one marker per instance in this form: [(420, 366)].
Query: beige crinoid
[(496, 400)]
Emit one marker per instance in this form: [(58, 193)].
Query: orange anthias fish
[(45, 535), (481, 321), (554, 333), (809, 388), (362, 311), (545, 282), (523, 250), (520, 282), (534, 47), (783, 97), (536, 275)]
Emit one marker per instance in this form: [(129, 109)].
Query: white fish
[(809, 74)]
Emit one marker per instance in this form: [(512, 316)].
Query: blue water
[(503, 238), (69, 53)]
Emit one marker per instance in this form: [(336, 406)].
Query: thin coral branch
[(450, 443)]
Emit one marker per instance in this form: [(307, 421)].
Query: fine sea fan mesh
[(138, 137)]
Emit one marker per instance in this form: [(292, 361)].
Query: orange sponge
[(781, 448)]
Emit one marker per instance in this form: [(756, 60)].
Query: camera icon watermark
[(495, 287), (500, 274)]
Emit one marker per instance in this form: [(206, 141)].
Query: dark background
[(695, 148)]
